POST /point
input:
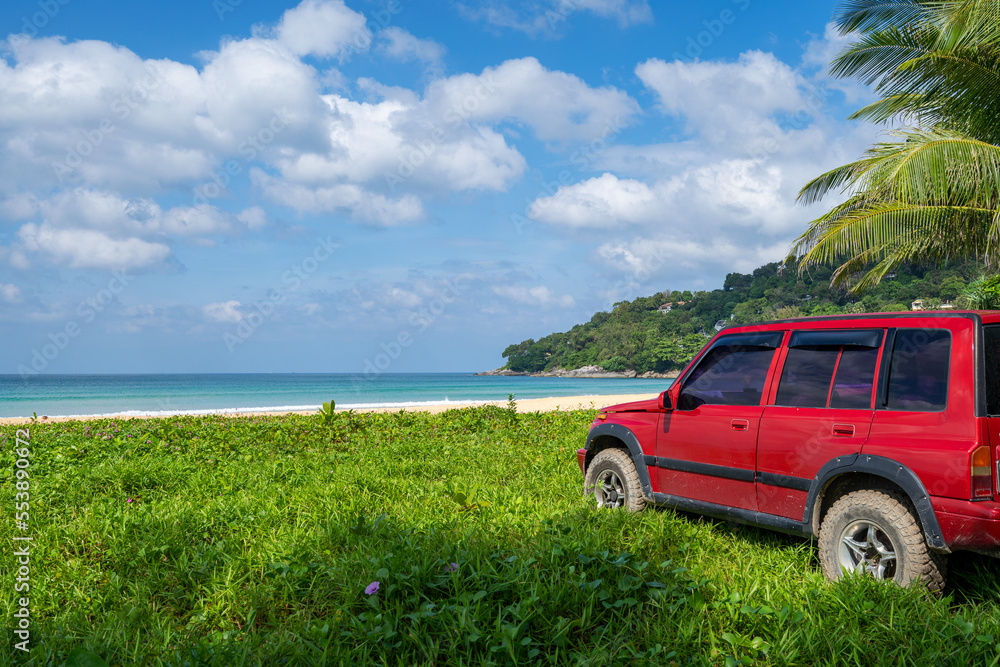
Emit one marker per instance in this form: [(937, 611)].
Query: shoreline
[(562, 403), (585, 372)]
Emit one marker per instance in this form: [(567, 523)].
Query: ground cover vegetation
[(259, 541), (636, 335)]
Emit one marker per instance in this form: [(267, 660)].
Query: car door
[(924, 410), (706, 447), (991, 382), (822, 408)]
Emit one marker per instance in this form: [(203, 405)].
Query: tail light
[(982, 474)]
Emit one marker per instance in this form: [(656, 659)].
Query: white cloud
[(557, 106), (727, 193), (224, 311), (548, 17), (10, 293), (348, 198), (99, 209), (729, 104), (398, 296), (643, 256), (323, 28), (722, 196), (405, 47), (627, 12), (259, 98), (85, 228), (381, 153), (604, 201), (90, 249), (821, 51), (18, 206), (89, 112), (254, 217), (389, 142), (539, 295), (91, 117), (200, 220)]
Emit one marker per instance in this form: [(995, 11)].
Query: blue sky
[(241, 186)]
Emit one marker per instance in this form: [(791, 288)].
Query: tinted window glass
[(991, 335), (805, 379), (855, 379), (918, 375), (727, 375)]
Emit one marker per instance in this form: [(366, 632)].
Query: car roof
[(864, 320)]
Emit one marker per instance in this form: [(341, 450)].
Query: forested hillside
[(638, 335)]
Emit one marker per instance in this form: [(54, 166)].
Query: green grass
[(251, 540)]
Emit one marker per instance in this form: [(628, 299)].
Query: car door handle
[(843, 430), (740, 425)]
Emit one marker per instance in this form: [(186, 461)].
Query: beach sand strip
[(564, 403)]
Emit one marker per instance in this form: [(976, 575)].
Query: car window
[(808, 381), (806, 377), (728, 375), (852, 388), (918, 374), (830, 368), (991, 334)]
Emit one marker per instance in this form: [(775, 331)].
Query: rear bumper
[(968, 525)]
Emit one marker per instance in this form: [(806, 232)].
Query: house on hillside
[(667, 307), (917, 305)]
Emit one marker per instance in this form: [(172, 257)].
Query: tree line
[(637, 335)]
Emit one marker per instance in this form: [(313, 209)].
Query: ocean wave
[(279, 408)]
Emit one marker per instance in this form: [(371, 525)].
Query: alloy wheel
[(865, 548), (609, 490)]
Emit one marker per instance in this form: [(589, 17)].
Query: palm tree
[(933, 192)]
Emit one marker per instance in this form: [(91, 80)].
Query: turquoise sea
[(151, 395)]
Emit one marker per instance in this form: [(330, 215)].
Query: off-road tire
[(883, 521), (613, 481)]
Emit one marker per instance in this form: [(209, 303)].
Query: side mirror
[(665, 402)]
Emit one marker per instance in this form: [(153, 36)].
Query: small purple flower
[(129, 500), (372, 588), (452, 567)]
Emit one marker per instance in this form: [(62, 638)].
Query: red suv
[(879, 434)]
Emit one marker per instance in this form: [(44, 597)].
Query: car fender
[(625, 435), (877, 466)]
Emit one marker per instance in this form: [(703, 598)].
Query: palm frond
[(894, 232), (968, 23), (835, 179), (898, 106), (876, 15), (877, 55), (918, 81), (922, 166), (940, 167)]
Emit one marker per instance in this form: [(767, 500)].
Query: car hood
[(647, 405)]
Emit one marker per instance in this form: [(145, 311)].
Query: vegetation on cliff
[(642, 336)]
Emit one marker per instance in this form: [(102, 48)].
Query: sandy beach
[(524, 405)]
